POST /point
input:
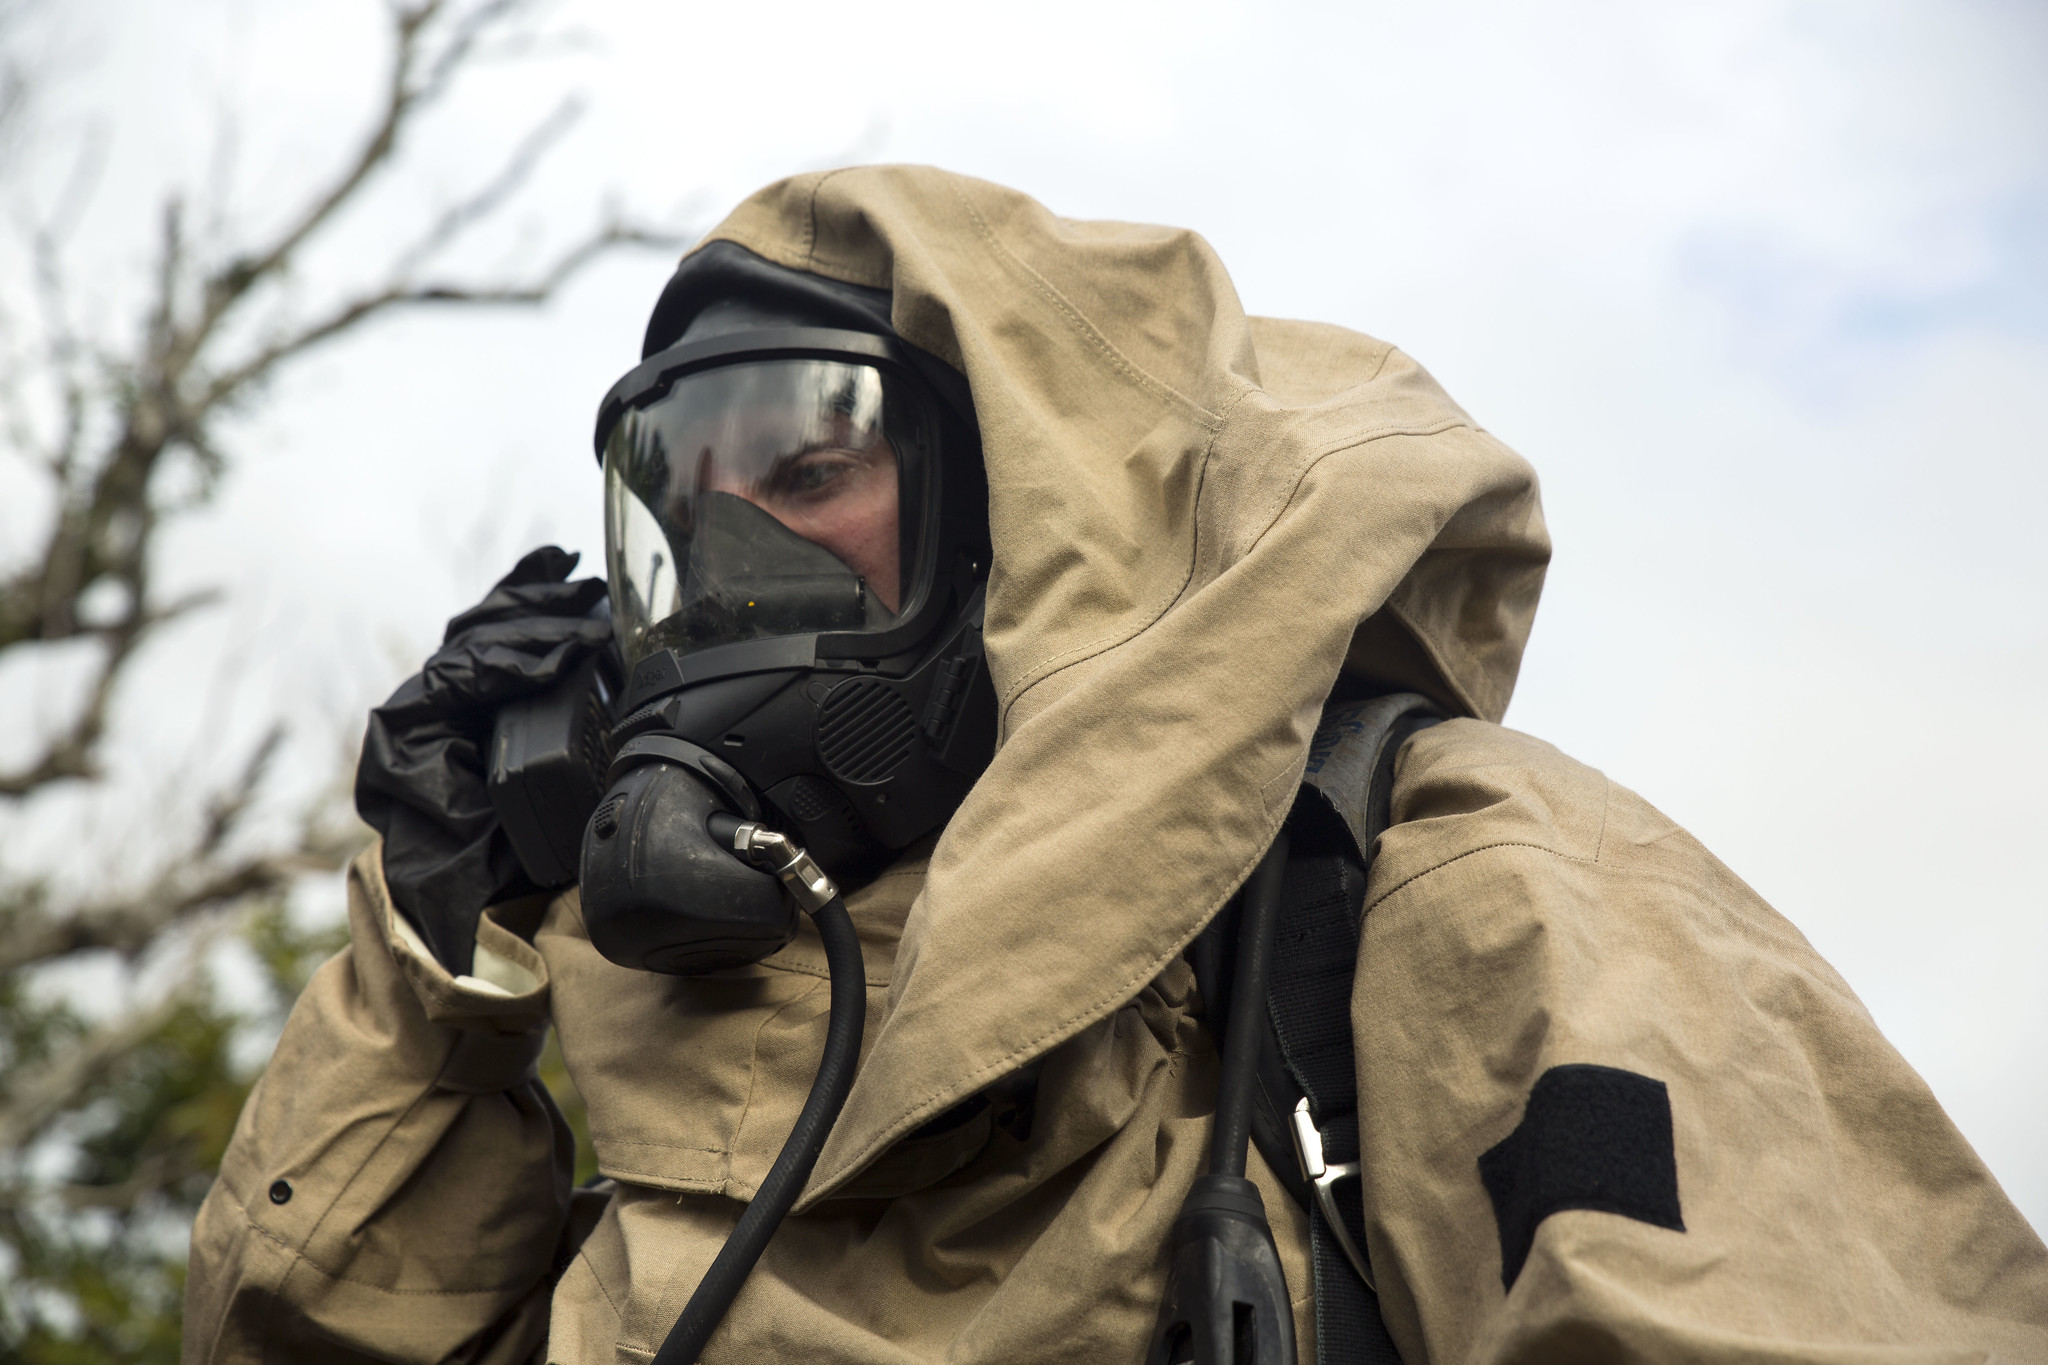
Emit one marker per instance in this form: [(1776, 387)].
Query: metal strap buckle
[(1308, 1145)]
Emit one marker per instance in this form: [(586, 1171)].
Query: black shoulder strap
[(1305, 1116)]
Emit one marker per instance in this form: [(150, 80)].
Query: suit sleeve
[(398, 1182), (1614, 1108)]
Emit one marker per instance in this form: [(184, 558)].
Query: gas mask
[(796, 542)]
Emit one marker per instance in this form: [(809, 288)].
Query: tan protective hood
[(1198, 519)]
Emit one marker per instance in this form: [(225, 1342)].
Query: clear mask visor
[(761, 499)]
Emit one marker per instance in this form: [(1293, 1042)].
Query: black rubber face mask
[(796, 543)]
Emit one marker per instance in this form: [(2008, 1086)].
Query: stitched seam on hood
[(1280, 505), (1606, 809), (846, 272), (1079, 654), (1353, 441), (1105, 644), (1078, 321), (811, 221), (1294, 768), (1338, 447)]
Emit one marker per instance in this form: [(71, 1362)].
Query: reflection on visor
[(754, 500)]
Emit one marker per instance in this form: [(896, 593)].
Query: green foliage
[(90, 1285), (31, 1031), (554, 1074), (92, 1260), (93, 1253)]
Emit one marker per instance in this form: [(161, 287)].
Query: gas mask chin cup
[(661, 891)]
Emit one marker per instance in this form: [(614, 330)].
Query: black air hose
[(721, 1284), (1226, 1297), (1256, 930)]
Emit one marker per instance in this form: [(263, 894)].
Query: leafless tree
[(125, 436)]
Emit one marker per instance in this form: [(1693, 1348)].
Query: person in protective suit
[(1004, 563)]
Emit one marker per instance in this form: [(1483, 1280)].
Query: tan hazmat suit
[(1199, 518)]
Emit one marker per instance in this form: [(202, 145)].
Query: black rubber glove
[(420, 783)]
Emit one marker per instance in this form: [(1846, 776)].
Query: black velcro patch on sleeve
[(1593, 1137)]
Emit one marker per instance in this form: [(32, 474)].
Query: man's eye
[(813, 475)]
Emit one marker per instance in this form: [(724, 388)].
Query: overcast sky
[(1761, 288)]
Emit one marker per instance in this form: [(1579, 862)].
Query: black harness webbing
[(1310, 1003), (1308, 1055)]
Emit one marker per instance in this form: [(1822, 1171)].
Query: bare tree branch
[(152, 1173), (37, 1096), (510, 179), (61, 348), (195, 883), (470, 30), (356, 311), (129, 925), (402, 95), (225, 811), (110, 423), (72, 752), (164, 398), (191, 892), (109, 418)]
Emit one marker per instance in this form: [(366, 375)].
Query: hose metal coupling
[(778, 853)]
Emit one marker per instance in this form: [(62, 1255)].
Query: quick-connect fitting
[(778, 853)]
